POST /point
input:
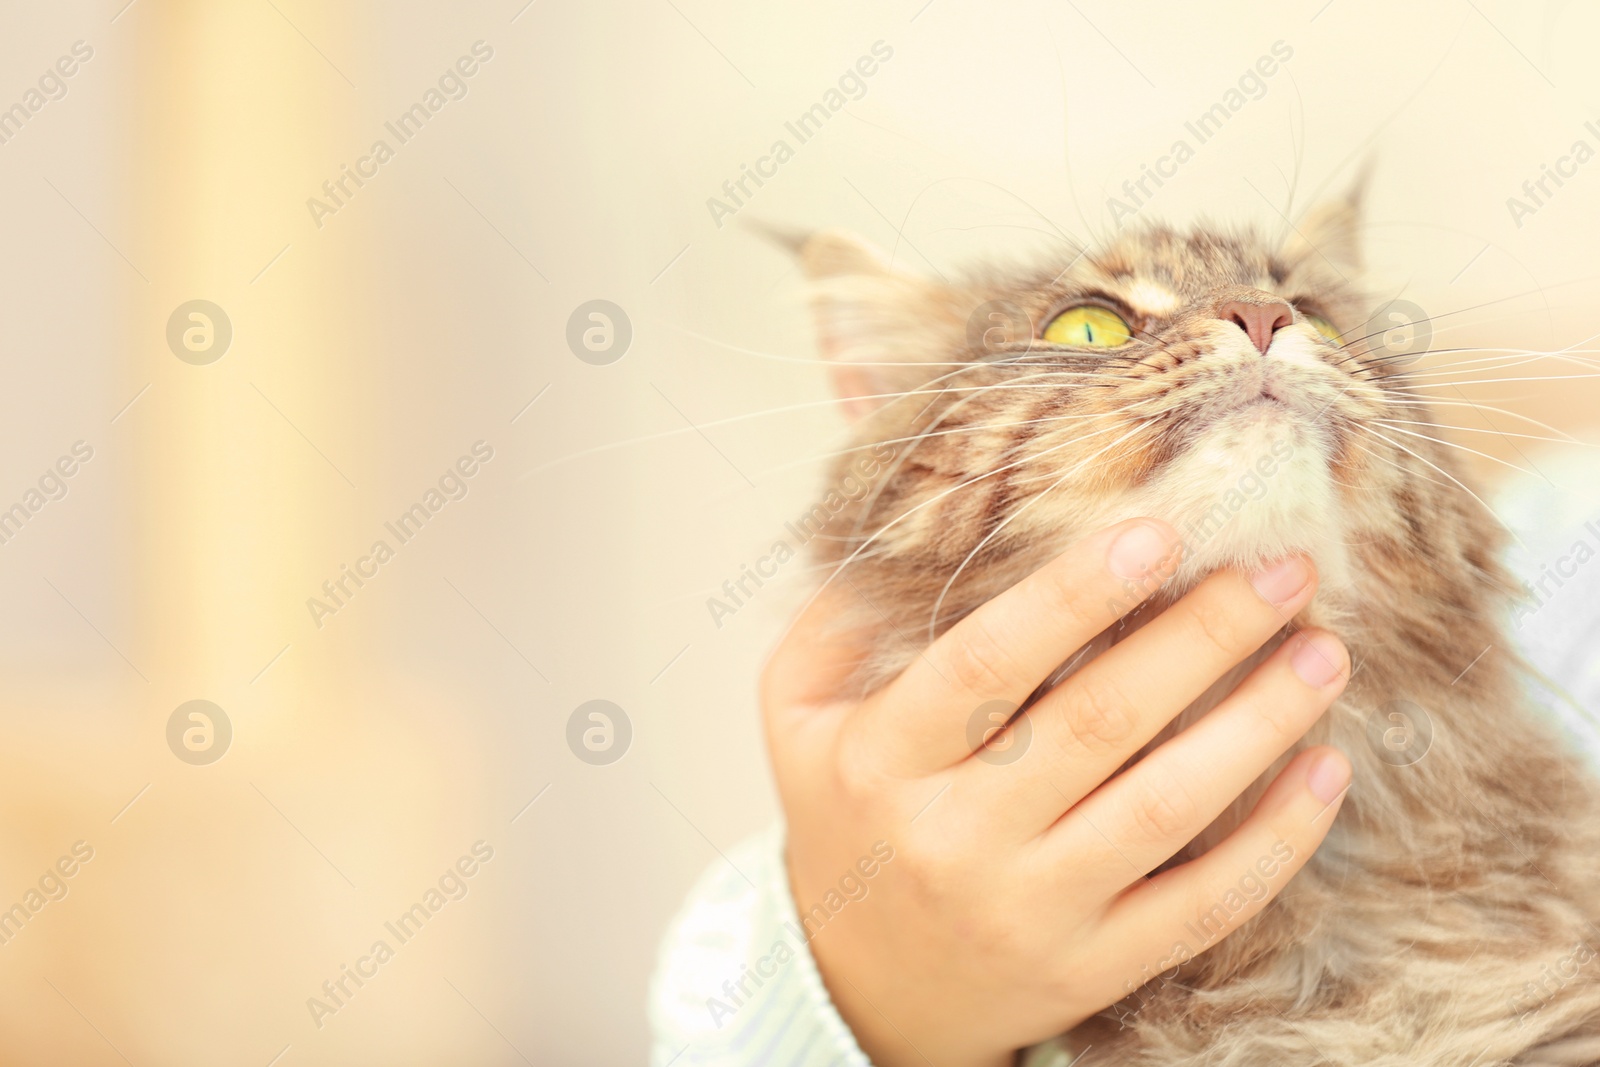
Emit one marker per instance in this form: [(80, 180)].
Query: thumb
[(815, 660)]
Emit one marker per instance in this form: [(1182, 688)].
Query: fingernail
[(1279, 583), (1318, 660), (1329, 777), (1136, 552)]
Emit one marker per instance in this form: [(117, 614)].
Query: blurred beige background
[(375, 341)]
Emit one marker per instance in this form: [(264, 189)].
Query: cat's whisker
[(1459, 484), (933, 620), (975, 427), (1505, 358), (1490, 365), (1500, 355), (785, 409), (1568, 353), (1365, 358), (1407, 471), (1480, 374), (1543, 378), (936, 386), (1445, 443), (1492, 432), (839, 569), (796, 569), (1431, 319), (899, 461), (1408, 402), (1068, 361)]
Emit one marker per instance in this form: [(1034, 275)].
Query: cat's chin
[(1255, 487)]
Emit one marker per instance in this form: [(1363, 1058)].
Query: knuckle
[(1062, 601), (1219, 623), (1285, 718), (858, 772), (977, 661), (1164, 811), (932, 871), (1012, 941), (1100, 716)]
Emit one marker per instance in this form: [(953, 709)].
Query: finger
[(1091, 724), (1001, 653), (1145, 815), (801, 686), (815, 658), (1190, 909)]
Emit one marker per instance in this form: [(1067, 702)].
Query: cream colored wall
[(426, 313)]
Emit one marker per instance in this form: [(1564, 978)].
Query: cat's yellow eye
[(1088, 326), (1325, 328)]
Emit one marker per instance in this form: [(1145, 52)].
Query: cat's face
[(1217, 381)]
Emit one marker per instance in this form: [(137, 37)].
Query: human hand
[(1017, 902)]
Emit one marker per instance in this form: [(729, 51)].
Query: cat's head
[(1215, 379)]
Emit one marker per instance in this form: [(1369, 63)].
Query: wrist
[(892, 1031)]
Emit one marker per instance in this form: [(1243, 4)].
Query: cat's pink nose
[(1259, 321)]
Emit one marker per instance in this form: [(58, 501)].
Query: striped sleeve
[(736, 983)]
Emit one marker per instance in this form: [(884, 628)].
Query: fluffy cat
[(1447, 920)]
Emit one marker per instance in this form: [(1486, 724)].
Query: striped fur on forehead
[(1187, 263), (1159, 271)]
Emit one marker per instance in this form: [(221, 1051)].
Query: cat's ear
[(882, 330), (1332, 229)]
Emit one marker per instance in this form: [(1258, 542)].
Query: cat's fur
[(1448, 884)]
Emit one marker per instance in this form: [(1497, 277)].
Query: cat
[(1234, 387)]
